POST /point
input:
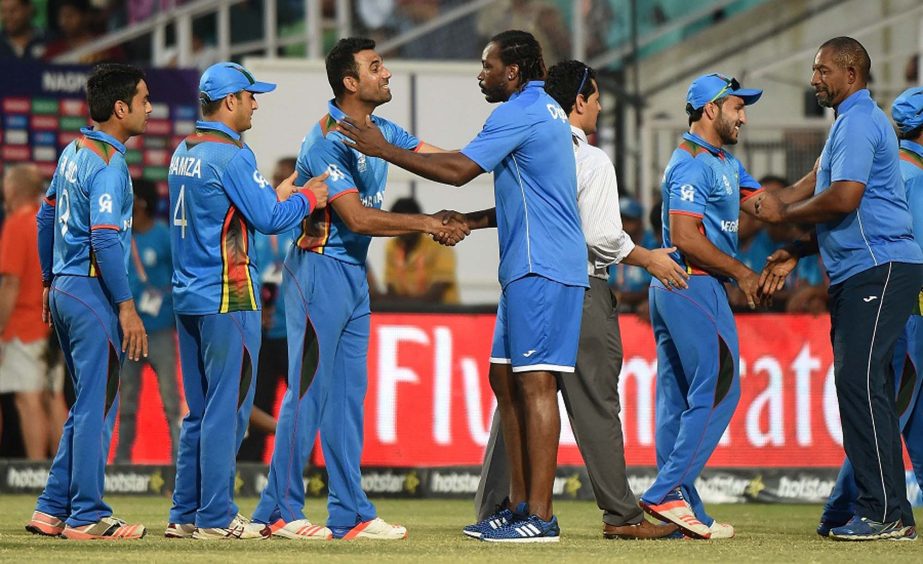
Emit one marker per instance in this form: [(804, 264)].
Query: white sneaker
[(378, 529), (302, 529), (239, 528), (179, 530), (721, 530)]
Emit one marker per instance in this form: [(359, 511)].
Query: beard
[(725, 130)]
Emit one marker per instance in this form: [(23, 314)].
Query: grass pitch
[(765, 533)]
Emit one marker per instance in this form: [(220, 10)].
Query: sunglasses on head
[(586, 73), (731, 85)]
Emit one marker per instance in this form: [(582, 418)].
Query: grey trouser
[(162, 358), (591, 396)]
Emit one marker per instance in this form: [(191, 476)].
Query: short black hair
[(912, 134), (847, 52), (210, 107), (568, 79), (408, 204), (146, 191), (696, 114), (522, 49), (774, 178), (107, 84), (341, 61)]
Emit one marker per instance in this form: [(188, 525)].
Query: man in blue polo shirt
[(526, 143), (864, 234)]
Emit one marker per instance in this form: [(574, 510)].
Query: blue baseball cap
[(226, 77), (712, 87), (907, 109), (629, 207)]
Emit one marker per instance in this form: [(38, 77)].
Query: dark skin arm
[(780, 263), (842, 198), (378, 223), (448, 168)]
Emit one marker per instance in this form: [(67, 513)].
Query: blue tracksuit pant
[(327, 320), (88, 330), (218, 354), (698, 382)]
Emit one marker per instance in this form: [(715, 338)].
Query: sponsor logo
[(105, 203), (805, 488), (26, 478), (71, 82), (687, 193), (529, 353), (556, 112), (258, 178), (335, 172), (727, 184), (456, 483), (730, 226), (383, 482), (868, 299), (127, 482)]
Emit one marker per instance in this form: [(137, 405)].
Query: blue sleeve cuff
[(110, 260), (45, 221)]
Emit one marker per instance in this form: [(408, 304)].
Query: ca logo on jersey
[(335, 172), (727, 184), (687, 193), (105, 203), (258, 178)]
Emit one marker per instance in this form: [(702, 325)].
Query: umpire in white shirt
[(591, 394)]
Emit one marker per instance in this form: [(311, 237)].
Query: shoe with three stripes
[(531, 529), (179, 530), (240, 528), (45, 525), (502, 516), (107, 528), (300, 529), (675, 509)]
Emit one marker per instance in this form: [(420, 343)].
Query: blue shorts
[(538, 325)]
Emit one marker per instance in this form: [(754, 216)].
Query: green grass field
[(765, 533)]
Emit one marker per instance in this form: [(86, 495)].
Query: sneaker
[(675, 509), (179, 530), (721, 531), (863, 529), (107, 528), (300, 529), (377, 529), (530, 529), (908, 533), (823, 528), (45, 524), (502, 516), (239, 528)]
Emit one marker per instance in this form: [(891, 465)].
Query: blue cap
[(907, 109), (226, 77), (712, 87), (629, 207)]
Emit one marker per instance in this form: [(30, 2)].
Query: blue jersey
[(90, 189), (526, 142), (325, 150), (706, 182), (911, 155), (270, 255), (218, 198), (862, 147), (149, 274)]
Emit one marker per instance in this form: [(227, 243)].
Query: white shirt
[(598, 204)]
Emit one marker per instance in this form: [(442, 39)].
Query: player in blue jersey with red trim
[(327, 309), (526, 143), (218, 200), (84, 234)]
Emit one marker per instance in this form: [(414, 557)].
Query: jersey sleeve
[(256, 198), (689, 187), (107, 192), (852, 150), (914, 187), (749, 186), (333, 158), (399, 137), (503, 132)]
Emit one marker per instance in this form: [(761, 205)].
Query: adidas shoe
[(720, 531), (377, 529), (863, 529), (240, 528), (45, 525), (300, 529), (502, 516), (179, 530), (107, 528), (675, 509), (530, 529)]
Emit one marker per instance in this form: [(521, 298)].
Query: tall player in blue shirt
[(84, 234), (526, 143), (327, 309), (218, 198), (863, 229)]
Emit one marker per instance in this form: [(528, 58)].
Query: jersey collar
[(96, 135), (529, 85), (689, 136), (912, 146), (217, 126), (578, 134), (853, 99), (337, 114)]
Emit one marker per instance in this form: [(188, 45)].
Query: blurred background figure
[(23, 337), (539, 17), (18, 37), (418, 269), (75, 25), (630, 283), (149, 276)]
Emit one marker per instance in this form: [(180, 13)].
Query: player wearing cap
[(218, 199), (863, 229), (84, 234)]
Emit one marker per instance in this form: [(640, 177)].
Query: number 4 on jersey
[(179, 213)]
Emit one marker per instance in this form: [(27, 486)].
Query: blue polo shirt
[(150, 272), (862, 147), (706, 182), (911, 155), (325, 149), (526, 142)]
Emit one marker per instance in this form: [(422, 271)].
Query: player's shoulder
[(592, 156), (684, 163)]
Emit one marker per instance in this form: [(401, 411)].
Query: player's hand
[(448, 231), (665, 269), (46, 308), (287, 187), (769, 208), (749, 284), (364, 135), (449, 215), (778, 266), (318, 187), (134, 336)]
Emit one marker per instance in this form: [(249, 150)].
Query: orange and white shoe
[(107, 528), (179, 530), (721, 531), (240, 528), (378, 529), (675, 509), (300, 529), (45, 524)]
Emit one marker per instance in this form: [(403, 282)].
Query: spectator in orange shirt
[(23, 337), (417, 268)]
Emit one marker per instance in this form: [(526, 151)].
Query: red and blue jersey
[(326, 150), (218, 200), (90, 189), (708, 183)]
